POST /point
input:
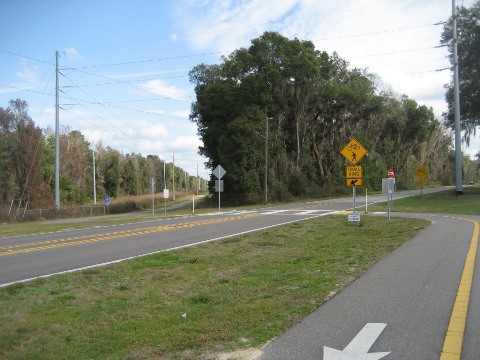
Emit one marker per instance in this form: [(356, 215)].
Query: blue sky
[(124, 64)]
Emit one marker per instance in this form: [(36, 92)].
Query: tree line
[(275, 115), (27, 163)]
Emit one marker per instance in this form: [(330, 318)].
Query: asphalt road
[(400, 309), (27, 257)]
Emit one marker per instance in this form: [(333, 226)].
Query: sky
[(124, 64)]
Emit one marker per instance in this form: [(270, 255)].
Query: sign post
[(219, 172), (106, 201), (152, 184), (388, 186), (166, 195), (421, 172), (353, 152)]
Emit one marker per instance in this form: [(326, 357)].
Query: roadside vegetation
[(207, 300), (196, 302)]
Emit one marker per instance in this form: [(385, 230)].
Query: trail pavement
[(411, 292)]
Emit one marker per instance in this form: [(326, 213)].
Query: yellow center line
[(452, 345), (86, 239)]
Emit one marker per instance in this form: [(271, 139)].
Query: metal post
[(456, 92), (354, 202), (152, 184), (94, 181), (366, 200), (266, 160), (173, 172), (165, 186), (57, 131)]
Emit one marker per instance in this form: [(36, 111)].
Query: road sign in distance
[(421, 171), (353, 151), (391, 173), (218, 185), (421, 180), (219, 172)]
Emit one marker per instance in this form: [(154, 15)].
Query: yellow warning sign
[(353, 151), (354, 182), (421, 171), (353, 172)]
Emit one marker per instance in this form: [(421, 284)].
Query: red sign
[(391, 174)]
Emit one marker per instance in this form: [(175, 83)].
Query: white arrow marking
[(359, 346)]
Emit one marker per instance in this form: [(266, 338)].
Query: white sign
[(219, 172), (388, 186), (218, 185), (359, 346), (354, 217), (166, 193)]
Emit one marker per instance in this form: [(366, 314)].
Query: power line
[(26, 57)]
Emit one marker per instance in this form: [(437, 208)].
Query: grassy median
[(447, 202), (196, 302)]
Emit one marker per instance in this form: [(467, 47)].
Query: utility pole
[(456, 97), (94, 183), (57, 146), (173, 172), (266, 160)]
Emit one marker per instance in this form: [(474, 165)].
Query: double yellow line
[(86, 239), (452, 346)]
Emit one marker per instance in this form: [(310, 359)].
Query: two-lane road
[(27, 257)]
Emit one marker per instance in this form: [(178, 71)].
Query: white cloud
[(370, 34), (181, 113), (186, 143), (71, 53), (28, 75), (160, 88)]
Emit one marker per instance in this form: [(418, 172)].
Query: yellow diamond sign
[(421, 171), (353, 151)]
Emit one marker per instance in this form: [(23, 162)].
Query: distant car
[(470, 183)]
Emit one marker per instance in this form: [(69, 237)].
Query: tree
[(468, 44), (312, 102), (22, 151), (130, 178), (112, 172), (75, 167)]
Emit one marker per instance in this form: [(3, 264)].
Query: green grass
[(442, 202), (236, 293)]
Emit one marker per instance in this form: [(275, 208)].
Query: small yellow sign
[(353, 151), (421, 180), (354, 182), (421, 171), (354, 172)]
